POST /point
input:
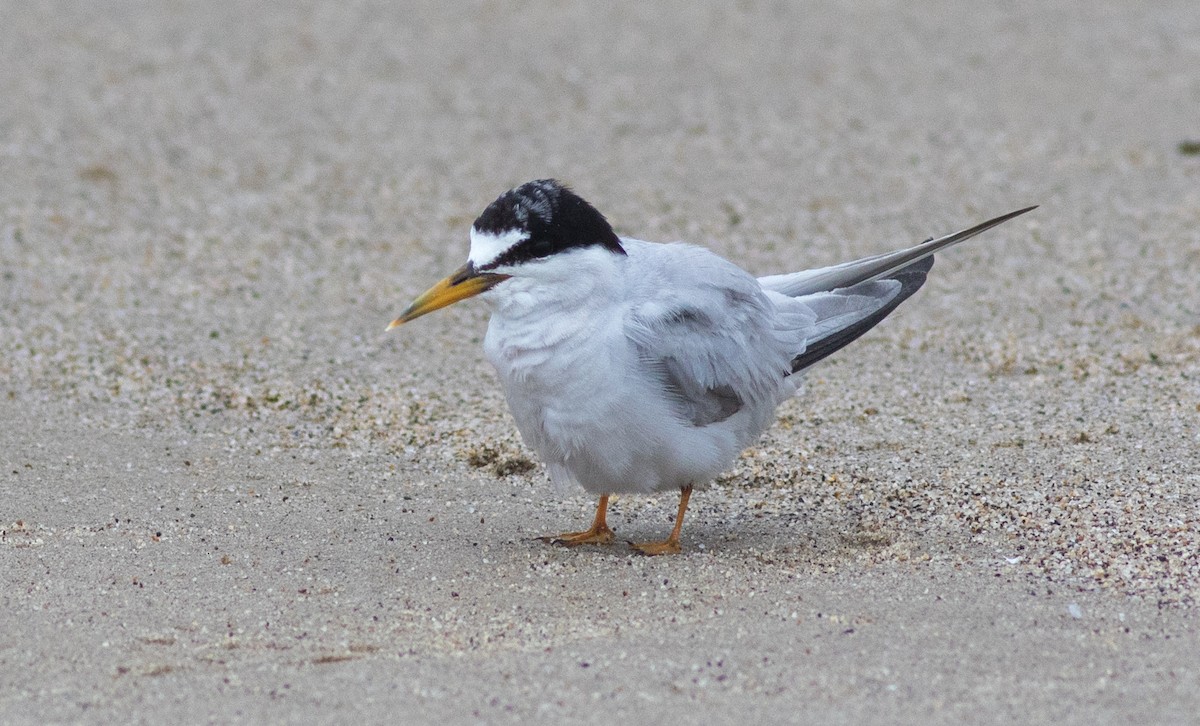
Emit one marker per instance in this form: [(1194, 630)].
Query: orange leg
[(669, 546), (598, 533)]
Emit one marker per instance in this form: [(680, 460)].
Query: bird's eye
[(541, 248)]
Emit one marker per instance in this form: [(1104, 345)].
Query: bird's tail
[(853, 297), (872, 301)]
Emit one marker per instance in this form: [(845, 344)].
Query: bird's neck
[(571, 283)]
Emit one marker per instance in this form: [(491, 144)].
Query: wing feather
[(717, 340), (709, 333), (876, 267)]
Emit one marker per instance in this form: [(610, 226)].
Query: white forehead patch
[(486, 247)]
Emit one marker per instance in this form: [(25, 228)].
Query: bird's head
[(522, 228)]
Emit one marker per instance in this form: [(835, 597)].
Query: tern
[(638, 367)]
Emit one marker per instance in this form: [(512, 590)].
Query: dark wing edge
[(911, 279)]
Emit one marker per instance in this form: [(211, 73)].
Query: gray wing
[(709, 333), (844, 315), (718, 340), (847, 274), (851, 298)]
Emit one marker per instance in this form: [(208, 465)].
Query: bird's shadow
[(765, 544)]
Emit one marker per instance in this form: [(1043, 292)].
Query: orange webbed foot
[(598, 533), (669, 546), (574, 539)]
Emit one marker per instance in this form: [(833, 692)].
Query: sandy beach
[(227, 496)]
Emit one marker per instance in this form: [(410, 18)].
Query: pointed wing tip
[(1011, 215), (957, 237)]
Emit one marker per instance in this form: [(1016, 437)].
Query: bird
[(640, 367)]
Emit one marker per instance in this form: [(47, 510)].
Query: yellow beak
[(465, 282)]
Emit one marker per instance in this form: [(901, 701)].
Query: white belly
[(582, 401)]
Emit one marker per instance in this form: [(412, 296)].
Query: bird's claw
[(574, 539), (668, 546)]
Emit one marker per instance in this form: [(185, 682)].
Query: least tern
[(633, 366)]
